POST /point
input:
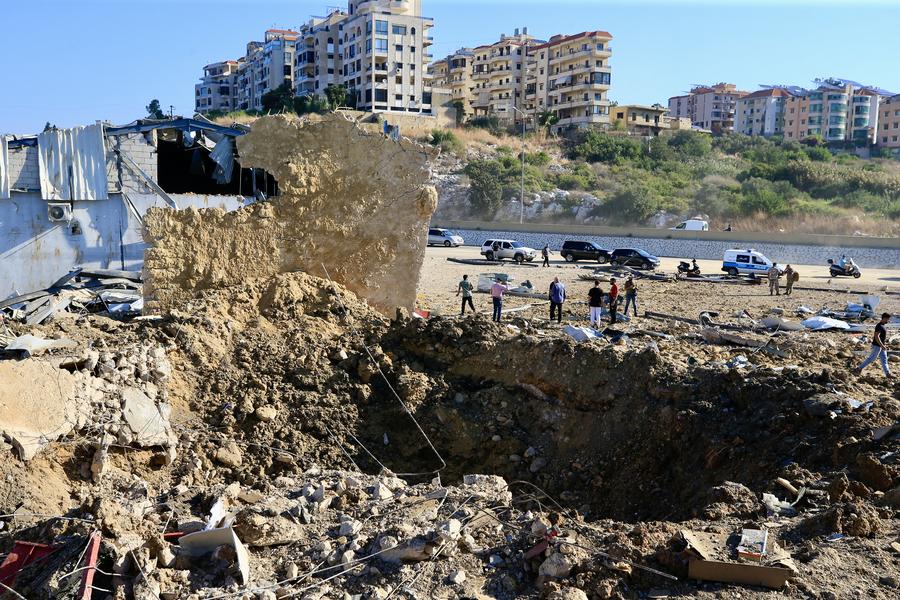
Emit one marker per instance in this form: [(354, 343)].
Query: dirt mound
[(355, 202)]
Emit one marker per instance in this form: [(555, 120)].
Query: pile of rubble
[(245, 445)]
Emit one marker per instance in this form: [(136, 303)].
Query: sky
[(72, 62)]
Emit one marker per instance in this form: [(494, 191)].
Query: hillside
[(614, 179)]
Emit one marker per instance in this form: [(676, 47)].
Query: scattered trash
[(753, 544), (581, 334), (820, 323), (205, 542)]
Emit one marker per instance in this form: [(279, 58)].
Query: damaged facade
[(77, 198)]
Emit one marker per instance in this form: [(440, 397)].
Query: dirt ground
[(439, 279)]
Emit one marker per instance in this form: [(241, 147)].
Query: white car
[(500, 249), (747, 261), (443, 237), (692, 225)]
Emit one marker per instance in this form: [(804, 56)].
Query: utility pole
[(522, 192), (171, 110)]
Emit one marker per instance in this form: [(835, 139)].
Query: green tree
[(154, 110), (547, 119), (304, 105), (633, 203), (460, 107), (690, 143), (279, 100), (486, 191), (335, 95), (600, 147)]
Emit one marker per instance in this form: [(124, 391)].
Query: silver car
[(443, 237)]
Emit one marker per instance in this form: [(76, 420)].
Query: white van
[(746, 261), (692, 225)]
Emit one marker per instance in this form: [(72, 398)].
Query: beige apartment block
[(646, 121), (708, 107), (454, 74), (377, 49), (889, 124), (266, 66), (761, 112), (215, 90), (838, 111), (570, 76), (498, 76)]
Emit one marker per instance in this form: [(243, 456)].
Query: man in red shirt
[(613, 299)]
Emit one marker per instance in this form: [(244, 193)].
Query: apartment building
[(376, 49), (570, 76), (646, 121), (761, 112), (454, 74), (888, 135), (241, 84), (708, 107), (838, 110), (498, 75), (216, 89)]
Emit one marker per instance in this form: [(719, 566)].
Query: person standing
[(465, 288), (557, 297), (879, 348), (497, 298), (613, 299), (788, 280), (773, 274), (545, 253), (595, 302), (630, 296)]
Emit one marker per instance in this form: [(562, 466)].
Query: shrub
[(600, 147), (490, 123), (631, 204), (690, 143), (446, 139), (538, 159)]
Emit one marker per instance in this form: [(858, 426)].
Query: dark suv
[(634, 257), (573, 250)]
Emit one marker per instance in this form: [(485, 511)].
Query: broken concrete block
[(266, 413), (229, 454), (556, 565), (457, 577), (147, 421)]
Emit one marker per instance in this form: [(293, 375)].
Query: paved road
[(810, 275)]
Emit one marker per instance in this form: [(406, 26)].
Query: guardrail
[(739, 238)]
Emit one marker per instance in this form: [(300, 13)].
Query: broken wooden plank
[(23, 298)]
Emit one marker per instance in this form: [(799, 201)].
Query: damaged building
[(77, 197)]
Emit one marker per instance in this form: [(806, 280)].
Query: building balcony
[(427, 40), (581, 55), (580, 120)]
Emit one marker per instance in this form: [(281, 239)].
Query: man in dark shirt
[(879, 348), (595, 301), (613, 300)]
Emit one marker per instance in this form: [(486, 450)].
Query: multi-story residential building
[(377, 49), (708, 107), (838, 110), (454, 74), (761, 112), (646, 121), (888, 135), (498, 75), (241, 84), (570, 76), (216, 90)]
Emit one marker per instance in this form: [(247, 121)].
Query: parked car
[(747, 261), (574, 251), (634, 257), (500, 249), (443, 237), (692, 225)]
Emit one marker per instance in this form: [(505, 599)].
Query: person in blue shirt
[(557, 297)]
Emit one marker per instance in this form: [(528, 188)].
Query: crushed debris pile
[(250, 444), (356, 202)]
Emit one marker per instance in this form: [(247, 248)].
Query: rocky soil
[(357, 456)]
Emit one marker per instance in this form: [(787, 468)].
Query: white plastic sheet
[(72, 164), (819, 323), (4, 168)]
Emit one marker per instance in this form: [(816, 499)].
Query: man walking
[(545, 253), (595, 302), (789, 274), (497, 298), (773, 274), (630, 295), (613, 299), (465, 287), (557, 297), (879, 348)]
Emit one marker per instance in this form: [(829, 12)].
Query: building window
[(399, 29), (381, 45), (381, 27)]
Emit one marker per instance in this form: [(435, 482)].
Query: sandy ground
[(439, 279)]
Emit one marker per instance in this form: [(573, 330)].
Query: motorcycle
[(689, 269), (848, 270)]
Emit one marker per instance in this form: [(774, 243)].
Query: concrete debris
[(30, 345)]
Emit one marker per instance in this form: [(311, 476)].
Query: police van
[(745, 261)]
